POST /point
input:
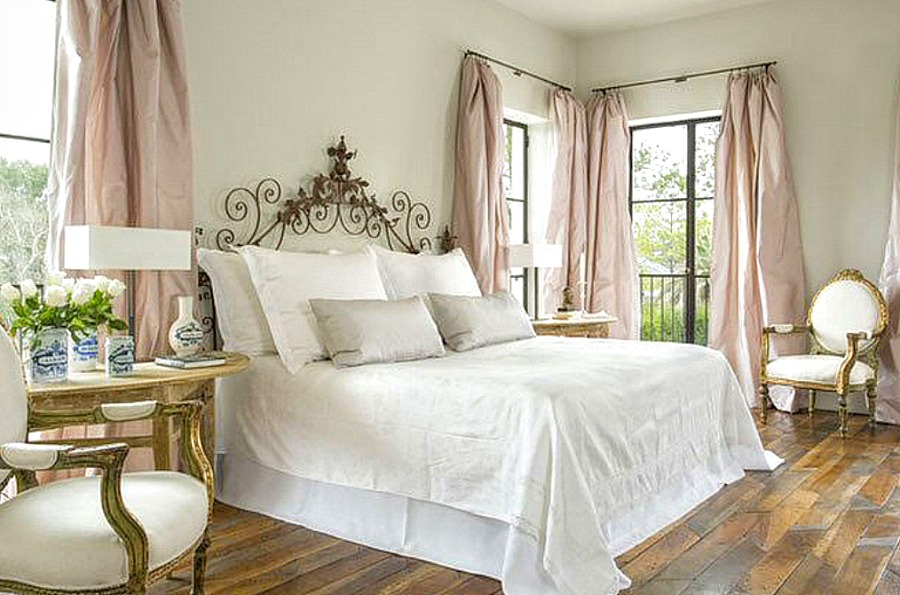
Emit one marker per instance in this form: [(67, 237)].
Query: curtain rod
[(683, 77), (518, 71)]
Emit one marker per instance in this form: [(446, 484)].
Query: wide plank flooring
[(828, 521)]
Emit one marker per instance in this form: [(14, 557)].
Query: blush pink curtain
[(568, 198), (121, 150), (611, 264), (757, 273), (888, 402), (480, 216)]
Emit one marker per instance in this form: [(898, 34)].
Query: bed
[(533, 461)]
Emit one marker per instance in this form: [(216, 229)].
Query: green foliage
[(23, 212), (33, 315), (660, 231)]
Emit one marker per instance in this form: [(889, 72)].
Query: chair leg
[(842, 413), (198, 580), (763, 402), (812, 402), (871, 396)]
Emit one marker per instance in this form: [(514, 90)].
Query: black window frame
[(525, 205), (690, 275)]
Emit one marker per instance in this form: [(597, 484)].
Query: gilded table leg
[(162, 444), (812, 402), (209, 421)]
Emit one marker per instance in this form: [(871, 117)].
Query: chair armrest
[(191, 413), (843, 378), (775, 329), (110, 459)]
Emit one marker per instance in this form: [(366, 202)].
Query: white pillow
[(406, 275), (359, 332), (470, 322), (286, 281), (238, 312)]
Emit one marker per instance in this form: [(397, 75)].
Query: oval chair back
[(849, 303), (13, 399)]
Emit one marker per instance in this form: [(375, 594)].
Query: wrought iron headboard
[(262, 216)]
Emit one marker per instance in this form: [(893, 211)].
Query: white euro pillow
[(239, 314), (406, 275), (357, 332), (286, 281), (469, 322)]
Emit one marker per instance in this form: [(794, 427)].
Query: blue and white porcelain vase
[(49, 356), (83, 354), (186, 334), (119, 355)]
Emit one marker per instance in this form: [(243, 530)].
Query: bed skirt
[(433, 532)]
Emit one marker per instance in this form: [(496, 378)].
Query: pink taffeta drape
[(757, 273), (480, 216), (121, 151), (611, 264), (568, 198), (888, 403), (589, 215)]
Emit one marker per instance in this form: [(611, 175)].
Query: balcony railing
[(668, 313)]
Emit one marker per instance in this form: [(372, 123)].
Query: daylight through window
[(672, 186), (27, 35)]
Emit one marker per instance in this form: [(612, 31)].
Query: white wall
[(839, 64), (273, 82)]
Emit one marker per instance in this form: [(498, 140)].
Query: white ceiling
[(584, 17)]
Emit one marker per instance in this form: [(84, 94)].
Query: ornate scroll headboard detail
[(336, 201)]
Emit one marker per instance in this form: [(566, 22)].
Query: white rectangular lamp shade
[(542, 256), (93, 247)]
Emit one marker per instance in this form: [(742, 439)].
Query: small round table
[(149, 382)]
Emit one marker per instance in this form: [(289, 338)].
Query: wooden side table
[(594, 327), (149, 382)]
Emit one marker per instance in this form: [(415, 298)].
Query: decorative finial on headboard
[(446, 240), (341, 157)]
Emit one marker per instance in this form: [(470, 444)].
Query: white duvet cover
[(558, 437)]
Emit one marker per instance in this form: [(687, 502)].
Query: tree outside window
[(27, 44)]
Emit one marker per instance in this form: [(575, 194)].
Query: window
[(515, 188), (27, 44), (672, 185)]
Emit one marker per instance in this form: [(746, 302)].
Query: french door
[(671, 188)]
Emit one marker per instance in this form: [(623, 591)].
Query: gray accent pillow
[(357, 332), (470, 322)]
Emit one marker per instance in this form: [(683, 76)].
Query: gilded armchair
[(846, 320), (110, 534)]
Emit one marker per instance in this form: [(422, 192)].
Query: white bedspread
[(553, 435)]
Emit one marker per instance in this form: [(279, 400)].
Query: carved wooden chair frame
[(110, 460), (859, 348)]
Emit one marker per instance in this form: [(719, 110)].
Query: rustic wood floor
[(826, 522)]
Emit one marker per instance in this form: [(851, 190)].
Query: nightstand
[(594, 327), (149, 382)]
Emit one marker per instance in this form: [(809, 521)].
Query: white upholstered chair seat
[(57, 536), (816, 368)]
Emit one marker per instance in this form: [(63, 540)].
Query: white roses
[(80, 305), (9, 294), (56, 296)]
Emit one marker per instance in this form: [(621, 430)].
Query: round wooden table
[(149, 382)]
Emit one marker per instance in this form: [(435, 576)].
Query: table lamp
[(129, 249), (536, 256)]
